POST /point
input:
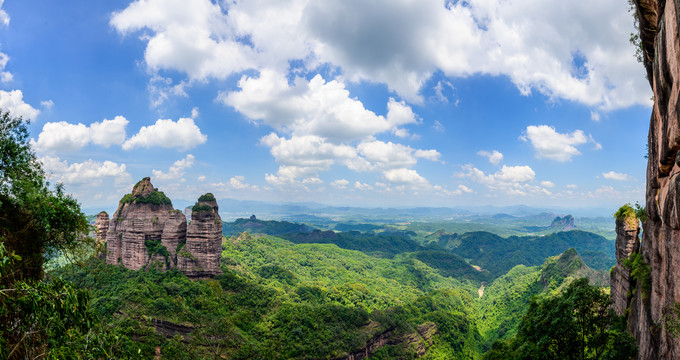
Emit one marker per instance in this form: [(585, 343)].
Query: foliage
[(498, 255), (639, 272), (635, 39), (155, 247), (207, 197), (671, 321), (262, 227), (156, 198), (197, 208), (575, 324)]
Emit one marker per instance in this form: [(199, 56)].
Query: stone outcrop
[(201, 255), (565, 223), (147, 231), (101, 226), (660, 247), (627, 242)]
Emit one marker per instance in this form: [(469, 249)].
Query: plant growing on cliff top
[(207, 197), (201, 208)]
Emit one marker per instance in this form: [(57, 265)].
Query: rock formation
[(565, 223), (101, 225), (201, 255), (627, 242), (147, 231), (660, 34)]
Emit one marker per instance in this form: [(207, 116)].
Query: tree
[(35, 221), (576, 324)]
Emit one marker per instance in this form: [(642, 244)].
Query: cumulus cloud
[(549, 144), (404, 176), (88, 172), (60, 136), (615, 176), (513, 180), (494, 157), (361, 186), (13, 101), (183, 135), (547, 184), (47, 104), (176, 171), (314, 107), (340, 183), (560, 49), (4, 17)]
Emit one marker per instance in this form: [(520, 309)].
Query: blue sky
[(381, 103)]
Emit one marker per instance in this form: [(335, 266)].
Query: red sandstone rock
[(627, 242), (145, 221), (203, 250), (101, 224), (660, 246)]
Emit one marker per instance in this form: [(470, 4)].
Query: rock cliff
[(659, 31), (101, 225), (627, 242), (565, 223), (146, 231), (200, 256)]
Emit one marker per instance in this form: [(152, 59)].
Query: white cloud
[(192, 39), (595, 116), (464, 189), (176, 171), (547, 184), (615, 176), (13, 101), (313, 107), (237, 182), (431, 154), (405, 176), (61, 135), (88, 172), (361, 186), (201, 178), (183, 134), (4, 18), (549, 144), (494, 157), (47, 104), (559, 49), (571, 186), (340, 183), (512, 180)]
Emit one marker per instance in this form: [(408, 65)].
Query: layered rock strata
[(627, 242), (147, 231), (201, 254), (101, 225), (660, 247)]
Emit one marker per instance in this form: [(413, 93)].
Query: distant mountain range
[(233, 209)]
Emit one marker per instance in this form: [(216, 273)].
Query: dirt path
[(481, 290)]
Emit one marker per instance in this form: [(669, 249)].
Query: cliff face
[(146, 231), (659, 20), (627, 242), (201, 255), (101, 225)]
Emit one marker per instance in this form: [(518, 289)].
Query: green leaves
[(576, 324)]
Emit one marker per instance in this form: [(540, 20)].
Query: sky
[(341, 102)]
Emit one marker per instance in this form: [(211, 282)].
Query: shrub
[(207, 197), (201, 208)]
